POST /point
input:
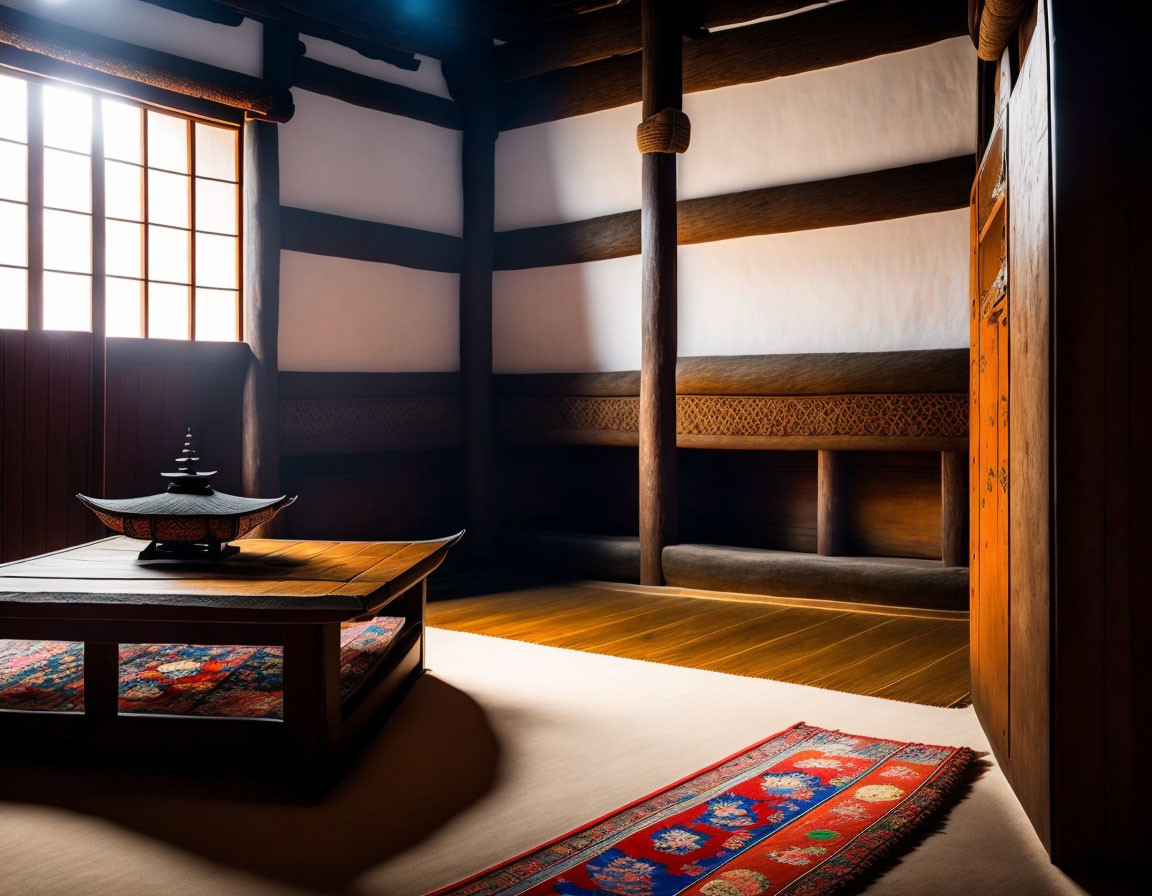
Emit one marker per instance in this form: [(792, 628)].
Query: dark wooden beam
[(854, 199), (275, 14), (614, 31), (831, 503), (661, 31), (836, 34), (352, 18), (208, 10), (302, 230), (261, 319), (308, 385), (111, 64), (470, 80), (954, 508), (372, 93), (817, 373)]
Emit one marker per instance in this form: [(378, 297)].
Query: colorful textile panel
[(800, 814), (180, 680)]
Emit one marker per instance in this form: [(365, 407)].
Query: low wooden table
[(293, 594)]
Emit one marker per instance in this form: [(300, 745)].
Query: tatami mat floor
[(919, 657)]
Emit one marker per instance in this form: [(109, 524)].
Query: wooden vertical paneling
[(12, 474), (35, 443), (60, 408), (155, 391), (46, 447), (1029, 469)]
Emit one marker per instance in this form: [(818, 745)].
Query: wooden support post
[(312, 692), (662, 89), (101, 680), (954, 508), (472, 85), (830, 503), (261, 317)]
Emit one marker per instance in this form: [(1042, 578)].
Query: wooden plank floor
[(901, 655)]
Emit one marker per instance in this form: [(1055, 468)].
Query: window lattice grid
[(106, 202)]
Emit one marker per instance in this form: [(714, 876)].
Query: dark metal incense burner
[(191, 520)]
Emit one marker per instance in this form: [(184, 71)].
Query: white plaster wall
[(237, 48), (883, 286), (339, 314), (888, 285), (347, 160), (569, 318), (892, 110)]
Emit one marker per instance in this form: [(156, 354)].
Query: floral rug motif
[(801, 813), (180, 679)]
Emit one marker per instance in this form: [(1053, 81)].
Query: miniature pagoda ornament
[(191, 520)]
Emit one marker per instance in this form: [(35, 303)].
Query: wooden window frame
[(34, 201)]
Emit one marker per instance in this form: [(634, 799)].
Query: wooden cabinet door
[(990, 345)]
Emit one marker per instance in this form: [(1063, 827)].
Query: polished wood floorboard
[(897, 654)]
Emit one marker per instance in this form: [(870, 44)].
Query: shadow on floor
[(435, 757)]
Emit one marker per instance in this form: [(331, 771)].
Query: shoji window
[(97, 193)]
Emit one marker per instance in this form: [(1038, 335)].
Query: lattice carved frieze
[(929, 415), (389, 421), (560, 413), (905, 416)]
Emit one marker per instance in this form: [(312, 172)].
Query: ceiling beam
[(372, 93), (854, 199), (615, 31), (208, 10), (114, 64), (831, 35)]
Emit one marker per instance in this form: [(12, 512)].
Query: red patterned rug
[(802, 813), (179, 679)]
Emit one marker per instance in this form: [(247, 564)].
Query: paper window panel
[(67, 242), (13, 298), (67, 301), (67, 119), (67, 181), (13, 171)]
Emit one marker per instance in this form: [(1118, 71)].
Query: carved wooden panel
[(348, 425), (927, 421)]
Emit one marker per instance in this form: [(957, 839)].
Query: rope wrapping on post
[(669, 130), (998, 22)]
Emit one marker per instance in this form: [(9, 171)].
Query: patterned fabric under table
[(801, 813), (180, 679)]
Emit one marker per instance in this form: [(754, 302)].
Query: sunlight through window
[(170, 229)]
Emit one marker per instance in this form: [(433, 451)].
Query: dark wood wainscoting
[(47, 449), (371, 455), (823, 456), (52, 447), (159, 388)]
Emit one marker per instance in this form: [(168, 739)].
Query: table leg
[(312, 691), (101, 680)]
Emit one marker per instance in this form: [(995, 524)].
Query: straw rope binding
[(667, 131)]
